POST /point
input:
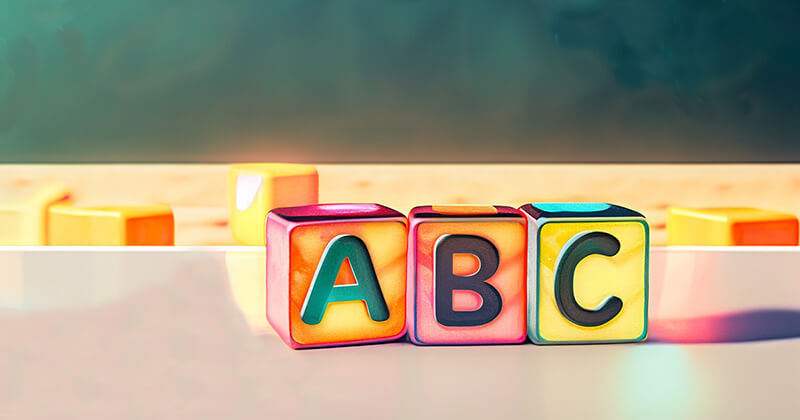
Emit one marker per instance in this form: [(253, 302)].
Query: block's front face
[(779, 232), (354, 253), (78, 226), (255, 189), (158, 229), (468, 280), (591, 281)]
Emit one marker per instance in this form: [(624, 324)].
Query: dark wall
[(402, 80)]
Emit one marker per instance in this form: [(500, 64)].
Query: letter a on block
[(336, 274), (324, 291), (445, 282)]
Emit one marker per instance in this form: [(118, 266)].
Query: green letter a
[(323, 291)]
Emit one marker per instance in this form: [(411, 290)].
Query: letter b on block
[(466, 275), (336, 274), (446, 282), (587, 273)]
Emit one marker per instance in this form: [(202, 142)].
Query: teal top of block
[(572, 207), (565, 210)]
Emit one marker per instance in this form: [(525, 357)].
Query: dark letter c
[(576, 249)]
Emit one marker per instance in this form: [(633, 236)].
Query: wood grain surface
[(199, 197)]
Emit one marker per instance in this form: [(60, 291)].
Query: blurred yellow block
[(23, 213), (256, 188), (730, 226), (113, 225)]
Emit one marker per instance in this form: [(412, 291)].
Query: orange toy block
[(336, 274)]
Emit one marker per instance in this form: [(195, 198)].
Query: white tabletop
[(178, 347)]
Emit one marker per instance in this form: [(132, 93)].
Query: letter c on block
[(575, 250)]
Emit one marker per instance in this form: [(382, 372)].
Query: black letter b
[(445, 282)]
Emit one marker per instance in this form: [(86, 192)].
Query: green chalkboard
[(401, 80)]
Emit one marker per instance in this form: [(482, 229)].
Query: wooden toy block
[(587, 273), (466, 275), (730, 226), (256, 188), (113, 225), (23, 213), (336, 274)]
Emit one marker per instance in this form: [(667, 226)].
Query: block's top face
[(466, 211), (578, 210), (731, 214), (274, 169), (128, 212), (327, 212)]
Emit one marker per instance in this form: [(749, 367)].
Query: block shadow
[(748, 326)]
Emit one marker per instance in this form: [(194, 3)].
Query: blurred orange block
[(114, 225), (730, 226), (23, 213)]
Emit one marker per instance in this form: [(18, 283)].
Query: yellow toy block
[(587, 273), (730, 226), (119, 225), (256, 188), (23, 213)]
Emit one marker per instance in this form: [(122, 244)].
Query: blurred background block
[(111, 225), (256, 188), (730, 226), (24, 210)]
